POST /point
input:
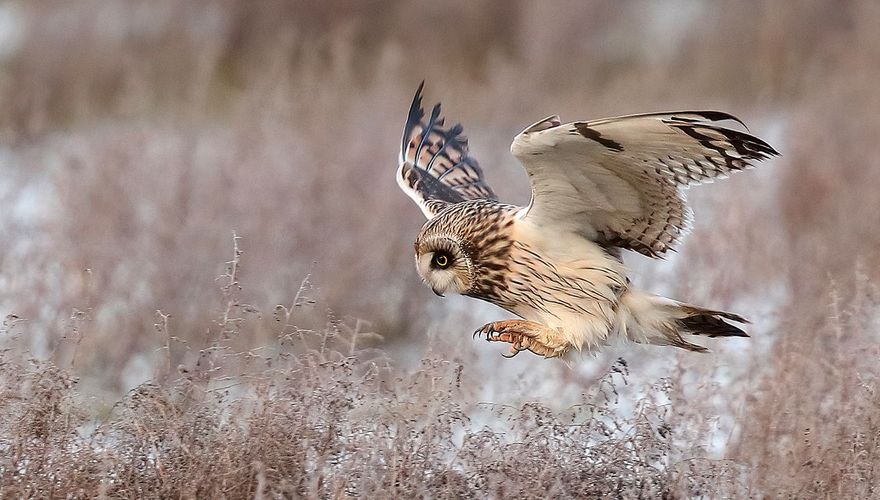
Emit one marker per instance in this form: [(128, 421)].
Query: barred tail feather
[(651, 319), (710, 323)]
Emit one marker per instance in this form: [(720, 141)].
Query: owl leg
[(525, 335)]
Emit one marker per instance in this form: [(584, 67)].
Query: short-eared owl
[(597, 187)]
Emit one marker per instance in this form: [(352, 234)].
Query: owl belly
[(572, 286), (585, 320)]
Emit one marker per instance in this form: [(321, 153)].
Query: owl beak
[(436, 292)]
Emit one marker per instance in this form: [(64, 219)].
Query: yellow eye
[(441, 260)]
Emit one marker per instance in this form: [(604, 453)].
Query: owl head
[(444, 264), (465, 248)]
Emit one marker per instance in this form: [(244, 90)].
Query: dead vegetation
[(137, 136), (324, 423)]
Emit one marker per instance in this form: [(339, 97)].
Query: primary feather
[(435, 168)]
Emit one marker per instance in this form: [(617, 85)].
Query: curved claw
[(491, 330), (523, 336), (516, 349), (485, 330)]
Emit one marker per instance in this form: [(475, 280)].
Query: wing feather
[(619, 181), (436, 169)]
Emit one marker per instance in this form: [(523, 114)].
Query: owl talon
[(524, 336), (487, 330), (480, 332), (516, 348)]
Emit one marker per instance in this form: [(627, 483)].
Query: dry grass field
[(207, 277)]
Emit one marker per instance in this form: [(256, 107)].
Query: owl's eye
[(441, 260)]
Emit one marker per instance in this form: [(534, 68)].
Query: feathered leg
[(525, 335)]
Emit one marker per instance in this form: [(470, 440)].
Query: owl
[(598, 188)]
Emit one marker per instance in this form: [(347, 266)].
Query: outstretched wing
[(435, 168), (619, 181)]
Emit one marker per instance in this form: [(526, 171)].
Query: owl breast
[(565, 282), (559, 279)]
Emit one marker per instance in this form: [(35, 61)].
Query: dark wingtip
[(416, 106), (417, 98), (720, 116), (414, 117), (717, 116)]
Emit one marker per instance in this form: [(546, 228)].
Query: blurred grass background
[(136, 136)]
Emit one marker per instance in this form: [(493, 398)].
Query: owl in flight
[(598, 187)]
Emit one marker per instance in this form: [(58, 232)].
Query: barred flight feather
[(435, 167)]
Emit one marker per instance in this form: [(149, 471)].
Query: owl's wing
[(619, 181), (435, 168)]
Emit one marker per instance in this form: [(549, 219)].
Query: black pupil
[(442, 260)]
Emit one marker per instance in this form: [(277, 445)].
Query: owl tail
[(651, 319)]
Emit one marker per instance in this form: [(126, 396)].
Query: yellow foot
[(525, 335)]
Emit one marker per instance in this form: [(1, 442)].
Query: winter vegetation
[(207, 275)]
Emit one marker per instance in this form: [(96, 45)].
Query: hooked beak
[(436, 292)]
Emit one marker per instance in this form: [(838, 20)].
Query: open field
[(148, 352)]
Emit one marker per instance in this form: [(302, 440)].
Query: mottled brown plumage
[(481, 227)]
